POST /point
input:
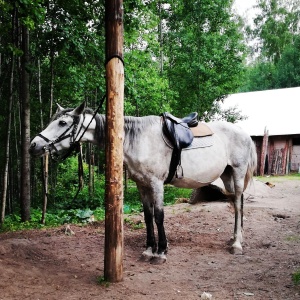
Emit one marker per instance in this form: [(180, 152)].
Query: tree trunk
[(51, 84), (113, 256), (9, 114), (25, 129), (40, 93), (52, 71)]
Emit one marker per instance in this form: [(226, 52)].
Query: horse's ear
[(79, 110), (59, 108)]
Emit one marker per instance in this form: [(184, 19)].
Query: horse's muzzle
[(36, 150)]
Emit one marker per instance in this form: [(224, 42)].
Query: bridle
[(73, 135), (74, 142)]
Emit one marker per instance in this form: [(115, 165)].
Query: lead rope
[(93, 117), (80, 172), (79, 149)]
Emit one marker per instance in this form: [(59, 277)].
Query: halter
[(72, 135), (74, 145)]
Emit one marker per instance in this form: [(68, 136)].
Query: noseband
[(72, 135)]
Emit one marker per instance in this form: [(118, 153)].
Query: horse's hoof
[(147, 255), (145, 258), (236, 250), (158, 259)]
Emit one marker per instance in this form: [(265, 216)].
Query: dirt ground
[(48, 264)]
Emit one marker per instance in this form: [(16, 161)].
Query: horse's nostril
[(32, 145)]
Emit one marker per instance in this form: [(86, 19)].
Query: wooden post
[(45, 168), (264, 152), (113, 260)]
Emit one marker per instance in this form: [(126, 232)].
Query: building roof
[(276, 110)]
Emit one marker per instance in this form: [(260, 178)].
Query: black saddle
[(190, 120), (178, 132)]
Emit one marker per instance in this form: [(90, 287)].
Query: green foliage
[(178, 56), (53, 218), (132, 202), (203, 44), (288, 67), (231, 114), (147, 90), (32, 12), (275, 27), (75, 215), (277, 51), (259, 76), (296, 277), (172, 194), (66, 187)]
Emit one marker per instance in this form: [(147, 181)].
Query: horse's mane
[(133, 126)]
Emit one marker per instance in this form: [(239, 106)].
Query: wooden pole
[(264, 152), (113, 260)]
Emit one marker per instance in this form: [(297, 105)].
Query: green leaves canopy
[(205, 53)]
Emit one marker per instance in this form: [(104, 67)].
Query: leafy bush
[(53, 218), (87, 206), (66, 187)]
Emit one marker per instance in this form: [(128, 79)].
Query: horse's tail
[(252, 164)]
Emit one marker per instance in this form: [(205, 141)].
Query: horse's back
[(235, 139)]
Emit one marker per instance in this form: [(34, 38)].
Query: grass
[(296, 277), (101, 281), (293, 238), (279, 178), (134, 225)]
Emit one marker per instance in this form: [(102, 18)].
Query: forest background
[(180, 56)]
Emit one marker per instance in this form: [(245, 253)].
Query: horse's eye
[(62, 123)]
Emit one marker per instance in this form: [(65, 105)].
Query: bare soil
[(48, 264)]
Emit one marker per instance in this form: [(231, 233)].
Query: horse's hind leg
[(238, 211), (234, 184)]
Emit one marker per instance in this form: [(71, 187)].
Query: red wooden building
[(273, 123)]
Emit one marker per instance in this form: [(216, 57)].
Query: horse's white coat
[(231, 157)]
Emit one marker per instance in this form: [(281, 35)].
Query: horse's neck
[(94, 129), (136, 130), (140, 133)]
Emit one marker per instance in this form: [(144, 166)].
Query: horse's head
[(61, 133)]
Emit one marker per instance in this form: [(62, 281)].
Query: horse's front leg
[(150, 243), (160, 256), (148, 206)]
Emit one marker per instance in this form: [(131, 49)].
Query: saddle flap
[(179, 133)]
